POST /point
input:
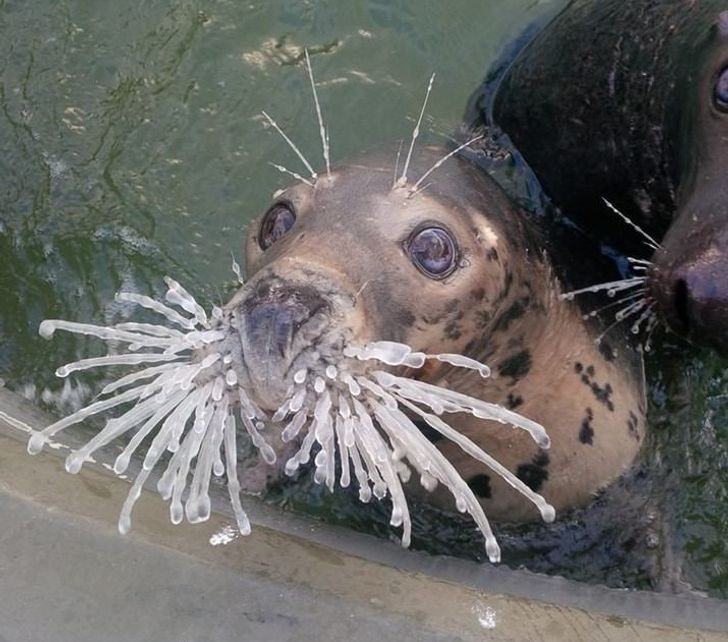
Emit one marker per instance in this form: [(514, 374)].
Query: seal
[(359, 342), (628, 102), (454, 269)]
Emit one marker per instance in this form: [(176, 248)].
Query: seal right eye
[(720, 94), (276, 223), (433, 251)]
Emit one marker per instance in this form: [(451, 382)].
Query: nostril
[(680, 300)]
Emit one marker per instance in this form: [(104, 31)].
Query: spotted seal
[(628, 102), (358, 341)]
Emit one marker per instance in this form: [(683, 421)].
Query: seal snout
[(274, 314), (692, 294)]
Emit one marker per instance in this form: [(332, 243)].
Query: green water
[(131, 146)]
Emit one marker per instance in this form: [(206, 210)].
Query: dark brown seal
[(629, 102)]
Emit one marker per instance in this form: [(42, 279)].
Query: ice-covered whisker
[(366, 423), (353, 420), (183, 400), (415, 134), (635, 302), (638, 303)]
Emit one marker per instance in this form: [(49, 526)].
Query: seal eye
[(720, 95), (433, 252), (276, 223)]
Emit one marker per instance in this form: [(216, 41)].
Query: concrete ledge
[(66, 574)]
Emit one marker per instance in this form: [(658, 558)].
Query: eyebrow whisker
[(291, 144), (396, 164), (322, 130), (415, 133), (438, 164), (295, 175)]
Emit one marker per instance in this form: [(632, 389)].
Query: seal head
[(631, 100), (453, 268)]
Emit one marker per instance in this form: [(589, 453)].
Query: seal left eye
[(276, 223), (433, 251), (721, 91)]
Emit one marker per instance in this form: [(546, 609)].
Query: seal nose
[(275, 313), (693, 297), (271, 326)]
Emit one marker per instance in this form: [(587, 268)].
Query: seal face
[(457, 269), (631, 98)]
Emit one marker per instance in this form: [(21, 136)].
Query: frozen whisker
[(177, 295), (396, 164), (399, 354), (651, 242), (322, 130), (360, 420), (610, 287), (295, 149), (151, 329), (296, 175), (180, 400), (414, 189), (351, 425), (156, 306), (48, 328), (236, 271), (639, 294), (415, 134), (115, 360)]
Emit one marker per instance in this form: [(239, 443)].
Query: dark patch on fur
[(578, 367), (586, 432), (603, 394), (453, 331), (516, 311), (480, 485), (478, 295), (514, 401), (632, 426), (534, 473), (482, 319), (517, 366), (406, 318), (492, 254), (607, 351)]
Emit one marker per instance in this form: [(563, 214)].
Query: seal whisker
[(439, 163), (295, 175), (188, 409), (236, 270), (594, 313), (322, 131), (415, 134), (652, 324), (649, 240), (396, 164), (292, 145), (611, 287)]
